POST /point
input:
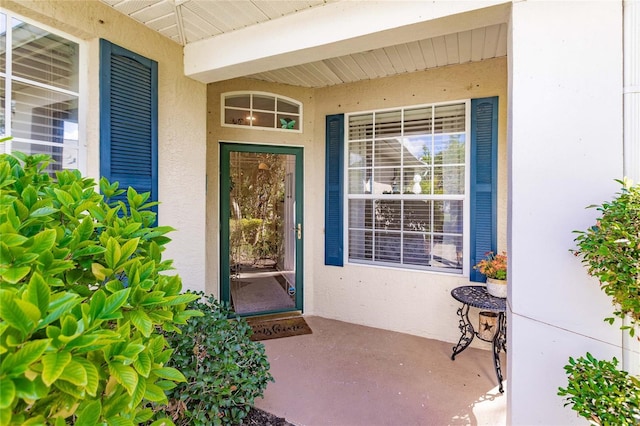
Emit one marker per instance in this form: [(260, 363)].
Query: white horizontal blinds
[(261, 110), (406, 187), (44, 57), (43, 77)]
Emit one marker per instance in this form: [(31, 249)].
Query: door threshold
[(279, 315)]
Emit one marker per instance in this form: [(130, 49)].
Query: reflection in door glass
[(262, 232)]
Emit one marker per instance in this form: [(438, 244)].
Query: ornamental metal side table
[(477, 296)]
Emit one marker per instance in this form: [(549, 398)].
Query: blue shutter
[(334, 196), (484, 166), (129, 119)]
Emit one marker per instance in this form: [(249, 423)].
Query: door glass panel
[(262, 232)]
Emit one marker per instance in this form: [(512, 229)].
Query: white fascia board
[(335, 29)]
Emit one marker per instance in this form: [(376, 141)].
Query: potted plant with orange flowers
[(494, 267)]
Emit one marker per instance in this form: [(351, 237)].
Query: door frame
[(225, 187)]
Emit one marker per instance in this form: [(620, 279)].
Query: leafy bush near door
[(82, 299), (225, 370)]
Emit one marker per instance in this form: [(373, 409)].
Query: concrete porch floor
[(349, 375)]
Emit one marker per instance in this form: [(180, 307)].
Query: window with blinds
[(406, 186), (261, 110), (39, 92)]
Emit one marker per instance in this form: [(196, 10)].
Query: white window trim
[(82, 94), (251, 127), (466, 237)]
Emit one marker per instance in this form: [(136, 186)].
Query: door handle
[(299, 231)]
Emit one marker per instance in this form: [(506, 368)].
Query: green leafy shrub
[(611, 251), (82, 298), (601, 393), (225, 370)]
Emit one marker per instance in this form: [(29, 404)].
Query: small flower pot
[(497, 288)]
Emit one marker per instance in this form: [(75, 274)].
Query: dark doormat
[(274, 327)]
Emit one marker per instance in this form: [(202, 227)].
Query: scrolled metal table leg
[(499, 341), (468, 333)]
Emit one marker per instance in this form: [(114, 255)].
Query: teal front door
[(261, 228)]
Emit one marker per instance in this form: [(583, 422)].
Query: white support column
[(565, 152), (631, 101)]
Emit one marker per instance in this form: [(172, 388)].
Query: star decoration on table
[(486, 326)]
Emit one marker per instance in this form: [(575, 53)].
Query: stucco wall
[(182, 118), (407, 301)]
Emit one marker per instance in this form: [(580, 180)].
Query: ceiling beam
[(335, 29)]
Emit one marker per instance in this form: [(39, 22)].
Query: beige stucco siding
[(181, 117), (409, 301)]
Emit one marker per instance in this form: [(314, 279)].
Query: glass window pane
[(417, 150), (388, 124), (417, 180), (453, 216), (266, 103), (64, 157), (418, 121), (387, 152), (238, 101), (44, 57), (263, 119), (360, 181), (388, 214), (386, 180), (236, 116), (288, 122), (39, 114), (449, 180), (449, 149), (361, 126), (453, 180), (449, 118), (360, 245), (388, 246), (448, 216), (415, 249), (417, 216), (360, 214), (286, 106), (447, 252), (359, 154)]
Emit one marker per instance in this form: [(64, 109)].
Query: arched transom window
[(261, 110)]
